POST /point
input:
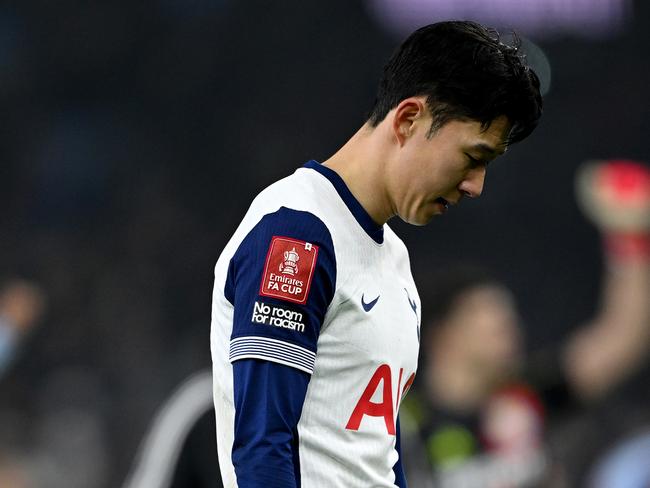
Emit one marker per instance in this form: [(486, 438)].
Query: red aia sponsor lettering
[(289, 269), (365, 406)]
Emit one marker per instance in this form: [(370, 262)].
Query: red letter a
[(366, 407)]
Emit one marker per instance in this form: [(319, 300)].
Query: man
[(315, 318), (478, 414)]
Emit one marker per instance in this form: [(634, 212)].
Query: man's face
[(435, 171), (483, 327)]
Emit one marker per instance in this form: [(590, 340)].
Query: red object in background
[(628, 183), (626, 180), (513, 421)]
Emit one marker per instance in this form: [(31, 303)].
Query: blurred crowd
[(133, 136), (486, 413)]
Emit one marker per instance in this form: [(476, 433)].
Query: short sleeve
[(281, 281)]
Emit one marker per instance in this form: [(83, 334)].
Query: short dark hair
[(466, 73)]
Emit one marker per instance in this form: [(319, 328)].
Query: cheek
[(419, 161), (415, 174), (439, 180)]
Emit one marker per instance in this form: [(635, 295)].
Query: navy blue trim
[(398, 469), (365, 220)]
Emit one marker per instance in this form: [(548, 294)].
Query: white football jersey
[(335, 299)]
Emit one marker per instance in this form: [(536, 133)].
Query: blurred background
[(134, 136)]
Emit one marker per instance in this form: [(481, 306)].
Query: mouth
[(442, 202)]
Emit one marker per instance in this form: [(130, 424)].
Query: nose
[(472, 184)]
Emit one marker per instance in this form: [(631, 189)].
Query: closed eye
[(475, 162)]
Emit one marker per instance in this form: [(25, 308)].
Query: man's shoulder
[(292, 205), (304, 191), (296, 190)]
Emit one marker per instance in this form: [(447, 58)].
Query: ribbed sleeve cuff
[(272, 350)]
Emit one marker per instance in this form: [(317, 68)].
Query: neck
[(361, 164)]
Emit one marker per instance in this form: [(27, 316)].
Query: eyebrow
[(488, 149)]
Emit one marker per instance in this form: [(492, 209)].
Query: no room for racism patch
[(289, 269), (278, 316)]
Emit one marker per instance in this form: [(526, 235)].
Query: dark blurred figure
[(22, 303), (473, 424), (483, 412), (61, 443)]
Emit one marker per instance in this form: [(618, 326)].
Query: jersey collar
[(375, 231)]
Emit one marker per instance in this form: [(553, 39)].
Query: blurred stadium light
[(538, 18)]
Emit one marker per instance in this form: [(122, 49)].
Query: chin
[(425, 222), (418, 220)]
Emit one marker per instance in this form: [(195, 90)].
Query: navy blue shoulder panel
[(272, 327), (360, 214)]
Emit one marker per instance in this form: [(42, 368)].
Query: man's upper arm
[(281, 281)]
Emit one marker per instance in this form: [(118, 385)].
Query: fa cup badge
[(290, 265)]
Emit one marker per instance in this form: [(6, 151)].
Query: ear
[(408, 113)]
